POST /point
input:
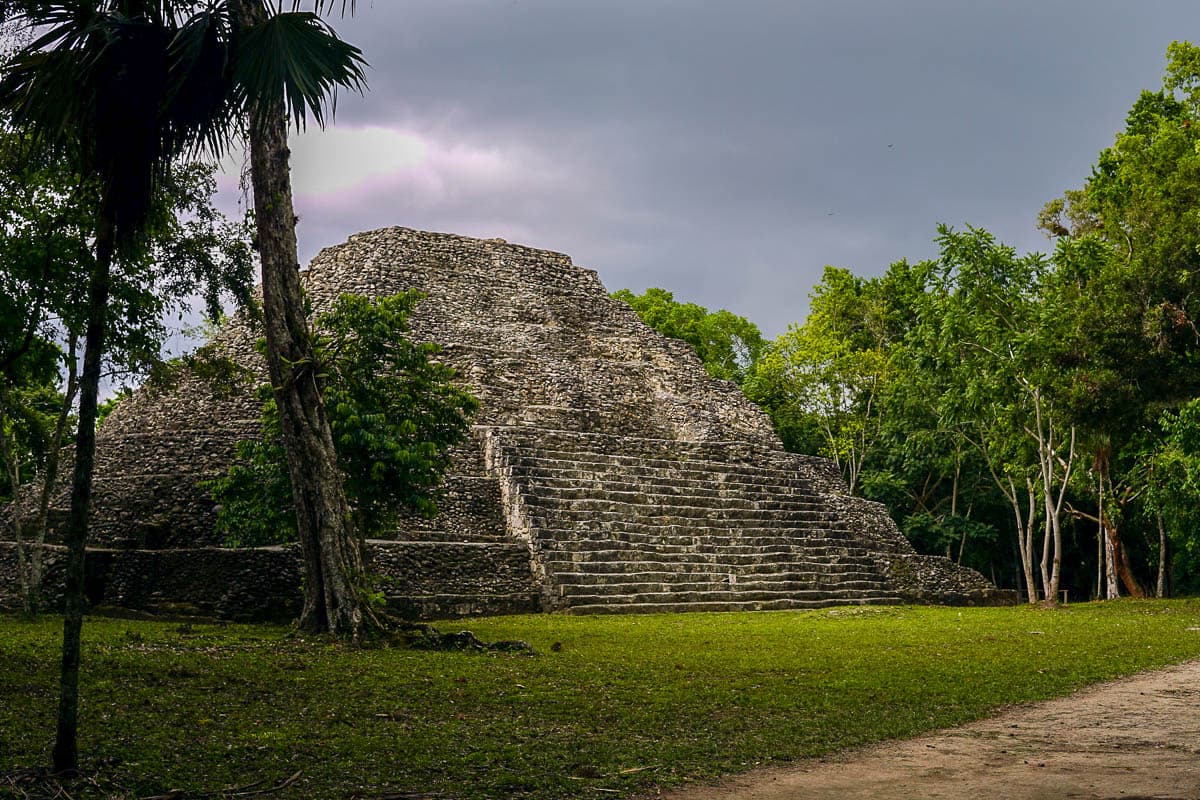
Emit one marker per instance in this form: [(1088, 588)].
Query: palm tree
[(281, 59), (271, 66), (94, 86), (126, 88)]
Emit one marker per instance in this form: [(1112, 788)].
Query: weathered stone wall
[(417, 579), (617, 473)]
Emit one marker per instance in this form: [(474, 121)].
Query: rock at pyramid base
[(607, 472)]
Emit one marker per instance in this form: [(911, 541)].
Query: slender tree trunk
[(1161, 590), (1044, 564), (1046, 465), (50, 477), (1120, 564), (66, 754), (1112, 589), (335, 582), (1067, 465), (1024, 526), (11, 455), (1101, 550), (31, 529)]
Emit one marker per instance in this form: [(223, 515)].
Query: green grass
[(618, 705)]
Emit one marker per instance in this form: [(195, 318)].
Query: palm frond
[(200, 97), (296, 60), (325, 6)]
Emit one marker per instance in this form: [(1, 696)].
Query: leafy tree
[(995, 340), (1128, 270), (831, 373), (394, 415), (729, 346), (95, 89), (1171, 479)]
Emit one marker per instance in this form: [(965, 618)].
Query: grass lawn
[(609, 707)]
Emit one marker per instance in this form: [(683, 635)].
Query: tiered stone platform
[(607, 471)]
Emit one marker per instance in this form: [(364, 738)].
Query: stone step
[(662, 525), (665, 494), (797, 587), (582, 465), (708, 480), (639, 451), (608, 571), (570, 540), (675, 533), (722, 483), (713, 520), (708, 508), (700, 593), (592, 573), (575, 540), (793, 575), (725, 556), (637, 607), (608, 442), (669, 454)]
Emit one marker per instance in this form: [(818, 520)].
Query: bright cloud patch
[(341, 165), (340, 159)]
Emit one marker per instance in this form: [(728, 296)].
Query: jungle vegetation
[(1033, 415)]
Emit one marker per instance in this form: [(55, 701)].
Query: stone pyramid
[(607, 471)]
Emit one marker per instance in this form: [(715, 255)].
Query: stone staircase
[(624, 524)]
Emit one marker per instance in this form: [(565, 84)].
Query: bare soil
[(1133, 739)]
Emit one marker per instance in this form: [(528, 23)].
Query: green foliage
[(29, 408), (254, 498), (729, 346), (260, 703), (47, 226), (394, 414), (823, 383), (295, 60), (1169, 475)]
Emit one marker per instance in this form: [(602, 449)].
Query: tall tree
[(986, 331), (96, 87), (287, 66), (1127, 278)]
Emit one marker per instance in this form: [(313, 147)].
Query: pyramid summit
[(606, 471)]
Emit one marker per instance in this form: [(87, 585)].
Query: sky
[(725, 151)]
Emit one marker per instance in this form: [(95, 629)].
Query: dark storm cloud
[(727, 151)]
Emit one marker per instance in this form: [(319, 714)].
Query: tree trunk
[(1044, 564), (1112, 589), (1161, 589), (41, 521), (66, 754), (1024, 532), (11, 455), (31, 530), (335, 582), (1120, 564)]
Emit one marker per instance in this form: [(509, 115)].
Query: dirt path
[(1134, 739)]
